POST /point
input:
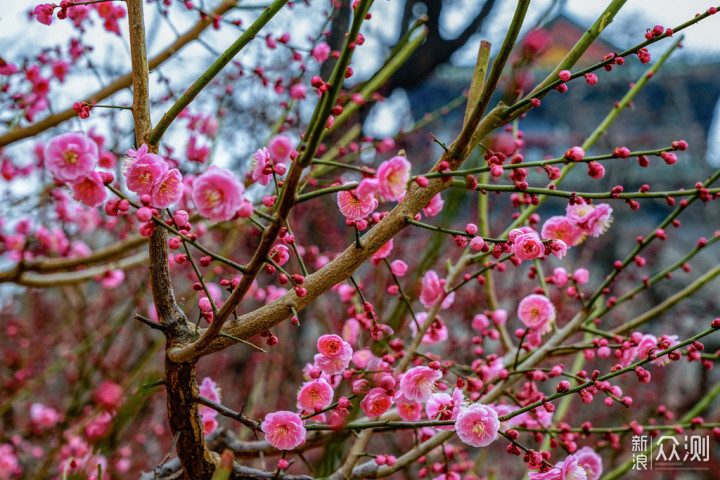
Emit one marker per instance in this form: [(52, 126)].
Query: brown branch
[(48, 265), (180, 382), (345, 264), (121, 83), (32, 279), (286, 202)]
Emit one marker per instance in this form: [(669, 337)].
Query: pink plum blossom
[(297, 91), (89, 190), (314, 395), (320, 53), (433, 290), (537, 312), (43, 13), (354, 208), (167, 190), (436, 333), (477, 425), (592, 219), (376, 402), (393, 176), (560, 227), (145, 171), (9, 464), (383, 252), (528, 246), (590, 461), (418, 383), (209, 389), (410, 412), (338, 357), (398, 268), (218, 194), (113, 279), (43, 417), (108, 395), (70, 157), (284, 430), (434, 207), (261, 165), (280, 147), (367, 188), (331, 346), (441, 406)]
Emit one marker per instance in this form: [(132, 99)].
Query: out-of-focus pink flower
[(398, 268), (209, 389), (383, 252), (113, 279), (90, 190), (9, 464), (434, 207), (435, 334), (418, 383), (284, 430), (98, 427), (315, 395), (273, 293), (217, 194), (280, 148), (320, 53), (108, 395), (297, 91), (536, 312), (433, 289), (477, 425), (393, 176), (376, 402), (70, 157), (43, 417), (43, 13)]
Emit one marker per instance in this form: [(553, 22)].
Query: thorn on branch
[(435, 139), (150, 323)]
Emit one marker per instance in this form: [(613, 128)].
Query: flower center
[(478, 428), (71, 158), (213, 197)]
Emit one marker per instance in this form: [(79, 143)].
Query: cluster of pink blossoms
[(149, 174), (211, 391), (528, 246), (272, 160), (71, 158), (476, 425), (580, 219)]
